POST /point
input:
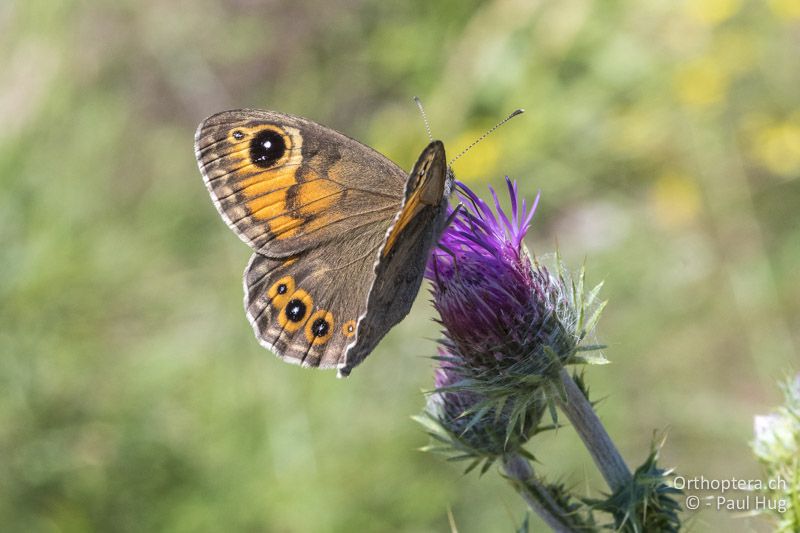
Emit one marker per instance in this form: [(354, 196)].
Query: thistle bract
[(465, 424)]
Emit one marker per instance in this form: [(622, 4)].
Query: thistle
[(777, 447), (497, 308), (510, 325)]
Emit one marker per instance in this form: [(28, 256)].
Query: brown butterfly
[(341, 234)]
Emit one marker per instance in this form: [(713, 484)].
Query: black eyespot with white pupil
[(320, 327), (295, 310), (238, 135), (282, 288), (267, 148)]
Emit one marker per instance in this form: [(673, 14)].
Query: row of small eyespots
[(293, 306)]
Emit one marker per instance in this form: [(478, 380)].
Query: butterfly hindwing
[(306, 313)]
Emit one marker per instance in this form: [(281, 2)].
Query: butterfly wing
[(306, 310), (315, 206), (404, 254), (285, 184)]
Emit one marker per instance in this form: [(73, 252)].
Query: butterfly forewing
[(285, 184)]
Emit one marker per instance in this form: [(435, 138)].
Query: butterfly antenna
[(482, 137), (424, 116)]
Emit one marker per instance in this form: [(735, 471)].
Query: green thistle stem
[(594, 436), (520, 474)]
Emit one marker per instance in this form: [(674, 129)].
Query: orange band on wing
[(412, 207), (315, 195), (268, 181)]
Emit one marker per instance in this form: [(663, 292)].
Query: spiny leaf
[(577, 295), (590, 347), (592, 322), (472, 466), (592, 295), (477, 418)]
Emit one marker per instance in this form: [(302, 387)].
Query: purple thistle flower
[(497, 306), (509, 328)]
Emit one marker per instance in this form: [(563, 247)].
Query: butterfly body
[(340, 234)]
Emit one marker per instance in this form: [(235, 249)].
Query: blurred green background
[(664, 136)]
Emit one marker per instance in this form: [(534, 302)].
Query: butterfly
[(340, 234)]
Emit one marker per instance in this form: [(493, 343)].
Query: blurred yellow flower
[(480, 163), (638, 131), (786, 9), (674, 199), (777, 147), (734, 49), (701, 82), (712, 11)]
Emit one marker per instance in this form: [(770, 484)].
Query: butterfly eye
[(267, 148)]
